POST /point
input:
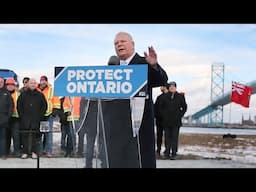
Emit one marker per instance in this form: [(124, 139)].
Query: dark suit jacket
[(172, 109), (157, 110), (121, 145)]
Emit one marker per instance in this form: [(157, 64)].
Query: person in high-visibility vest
[(14, 123), (71, 107), (47, 137), (59, 110)]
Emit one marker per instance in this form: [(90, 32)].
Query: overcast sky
[(185, 51)]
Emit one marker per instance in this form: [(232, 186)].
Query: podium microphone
[(114, 60)]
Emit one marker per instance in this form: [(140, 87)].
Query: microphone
[(114, 60)]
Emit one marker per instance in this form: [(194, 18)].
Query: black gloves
[(67, 113), (54, 112)]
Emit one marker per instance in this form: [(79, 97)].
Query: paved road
[(79, 163)]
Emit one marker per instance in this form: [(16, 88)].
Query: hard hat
[(10, 81)]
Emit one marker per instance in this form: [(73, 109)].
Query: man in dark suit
[(173, 107), (123, 149), (159, 127)]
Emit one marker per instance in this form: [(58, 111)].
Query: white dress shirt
[(128, 60)]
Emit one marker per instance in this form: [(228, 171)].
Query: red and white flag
[(241, 94)]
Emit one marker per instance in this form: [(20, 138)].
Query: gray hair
[(126, 34), (32, 79)]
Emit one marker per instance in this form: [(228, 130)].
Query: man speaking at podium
[(123, 149)]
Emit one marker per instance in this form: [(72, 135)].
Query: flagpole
[(228, 135), (230, 106), (230, 117)]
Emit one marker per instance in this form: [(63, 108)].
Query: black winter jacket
[(6, 107), (31, 106)]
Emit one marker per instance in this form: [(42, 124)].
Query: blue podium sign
[(101, 81)]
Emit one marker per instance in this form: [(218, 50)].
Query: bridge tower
[(217, 90)]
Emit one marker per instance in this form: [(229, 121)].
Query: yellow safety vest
[(48, 94), (15, 96)]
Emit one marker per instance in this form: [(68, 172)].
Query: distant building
[(247, 122)]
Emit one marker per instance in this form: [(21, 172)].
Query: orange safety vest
[(15, 96), (66, 105), (48, 94), (56, 102), (72, 104)]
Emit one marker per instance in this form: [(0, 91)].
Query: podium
[(120, 93)]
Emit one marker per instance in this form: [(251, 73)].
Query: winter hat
[(172, 83)]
